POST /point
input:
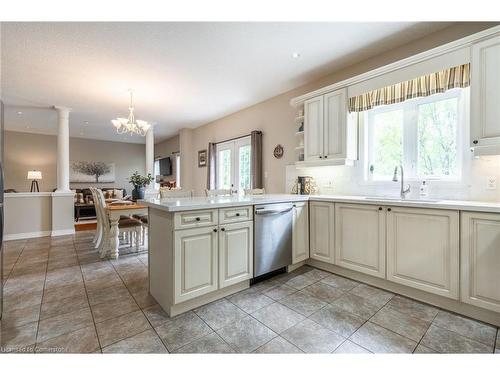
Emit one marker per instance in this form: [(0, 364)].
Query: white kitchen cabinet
[(235, 253), (485, 93), (334, 128), (313, 129), (480, 259), (322, 231), (423, 249), (360, 238), (195, 262), (329, 138), (300, 230)]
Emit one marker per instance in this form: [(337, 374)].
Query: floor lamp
[(34, 176)]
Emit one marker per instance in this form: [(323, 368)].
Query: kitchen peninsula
[(442, 252)]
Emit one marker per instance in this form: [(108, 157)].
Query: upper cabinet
[(327, 137), (485, 96)]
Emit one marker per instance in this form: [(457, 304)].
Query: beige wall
[(28, 216), (25, 151), (275, 117)]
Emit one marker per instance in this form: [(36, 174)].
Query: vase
[(138, 193)]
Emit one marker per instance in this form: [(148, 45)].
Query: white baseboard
[(62, 232), (20, 236)]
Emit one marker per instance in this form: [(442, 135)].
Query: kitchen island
[(201, 249), (442, 252)]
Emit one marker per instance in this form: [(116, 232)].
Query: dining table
[(115, 211)]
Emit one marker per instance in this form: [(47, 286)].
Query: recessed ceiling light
[(27, 126), (19, 113), (295, 55), (86, 122)]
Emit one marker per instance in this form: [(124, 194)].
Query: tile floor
[(60, 297)]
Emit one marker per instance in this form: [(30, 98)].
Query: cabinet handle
[(475, 141), (198, 219), (215, 230), (222, 229), (321, 157), (380, 208), (326, 156), (237, 214), (389, 209)]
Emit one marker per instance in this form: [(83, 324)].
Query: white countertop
[(201, 203)]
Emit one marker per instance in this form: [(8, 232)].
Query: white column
[(150, 155), (63, 149)]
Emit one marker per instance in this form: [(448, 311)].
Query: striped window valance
[(458, 76)]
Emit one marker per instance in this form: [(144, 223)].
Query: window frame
[(410, 140)]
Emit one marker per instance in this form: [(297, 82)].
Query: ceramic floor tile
[(279, 292), (114, 293), (375, 296), (355, 305), (219, 313), (340, 282), (278, 345), (498, 338), (143, 298), (64, 323), (278, 317), (466, 327), (17, 338), (323, 292), (22, 300), (422, 349), (403, 324), (114, 330), (380, 340), (246, 335), (337, 320), (303, 303), (316, 274), (310, 337), (182, 330), (299, 282), (413, 308), (156, 315), (209, 344), (57, 294), (144, 343), (63, 277), (250, 302), (81, 341), (348, 347), (62, 306), (444, 341), (108, 310), (20, 317)]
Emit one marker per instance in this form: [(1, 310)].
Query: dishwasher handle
[(271, 212)]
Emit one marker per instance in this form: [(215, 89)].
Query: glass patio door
[(233, 164)]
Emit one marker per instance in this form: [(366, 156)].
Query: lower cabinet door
[(300, 239), (322, 231), (423, 249), (195, 262), (360, 238), (480, 262), (235, 253)]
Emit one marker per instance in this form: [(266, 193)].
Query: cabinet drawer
[(235, 214), (195, 219)]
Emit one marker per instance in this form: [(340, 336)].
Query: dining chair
[(126, 225), (254, 191), (98, 231), (217, 192)]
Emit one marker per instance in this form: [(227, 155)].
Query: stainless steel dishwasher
[(273, 237)]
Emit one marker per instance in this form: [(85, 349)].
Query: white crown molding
[(426, 55)]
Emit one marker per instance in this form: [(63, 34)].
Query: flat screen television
[(165, 166)]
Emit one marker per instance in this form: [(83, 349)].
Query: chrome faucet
[(404, 190)]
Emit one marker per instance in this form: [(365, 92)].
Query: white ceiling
[(183, 74)]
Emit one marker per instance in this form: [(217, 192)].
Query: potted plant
[(140, 183)]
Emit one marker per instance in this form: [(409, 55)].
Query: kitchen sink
[(382, 198)]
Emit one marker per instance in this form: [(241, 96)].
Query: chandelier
[(130, 124)]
